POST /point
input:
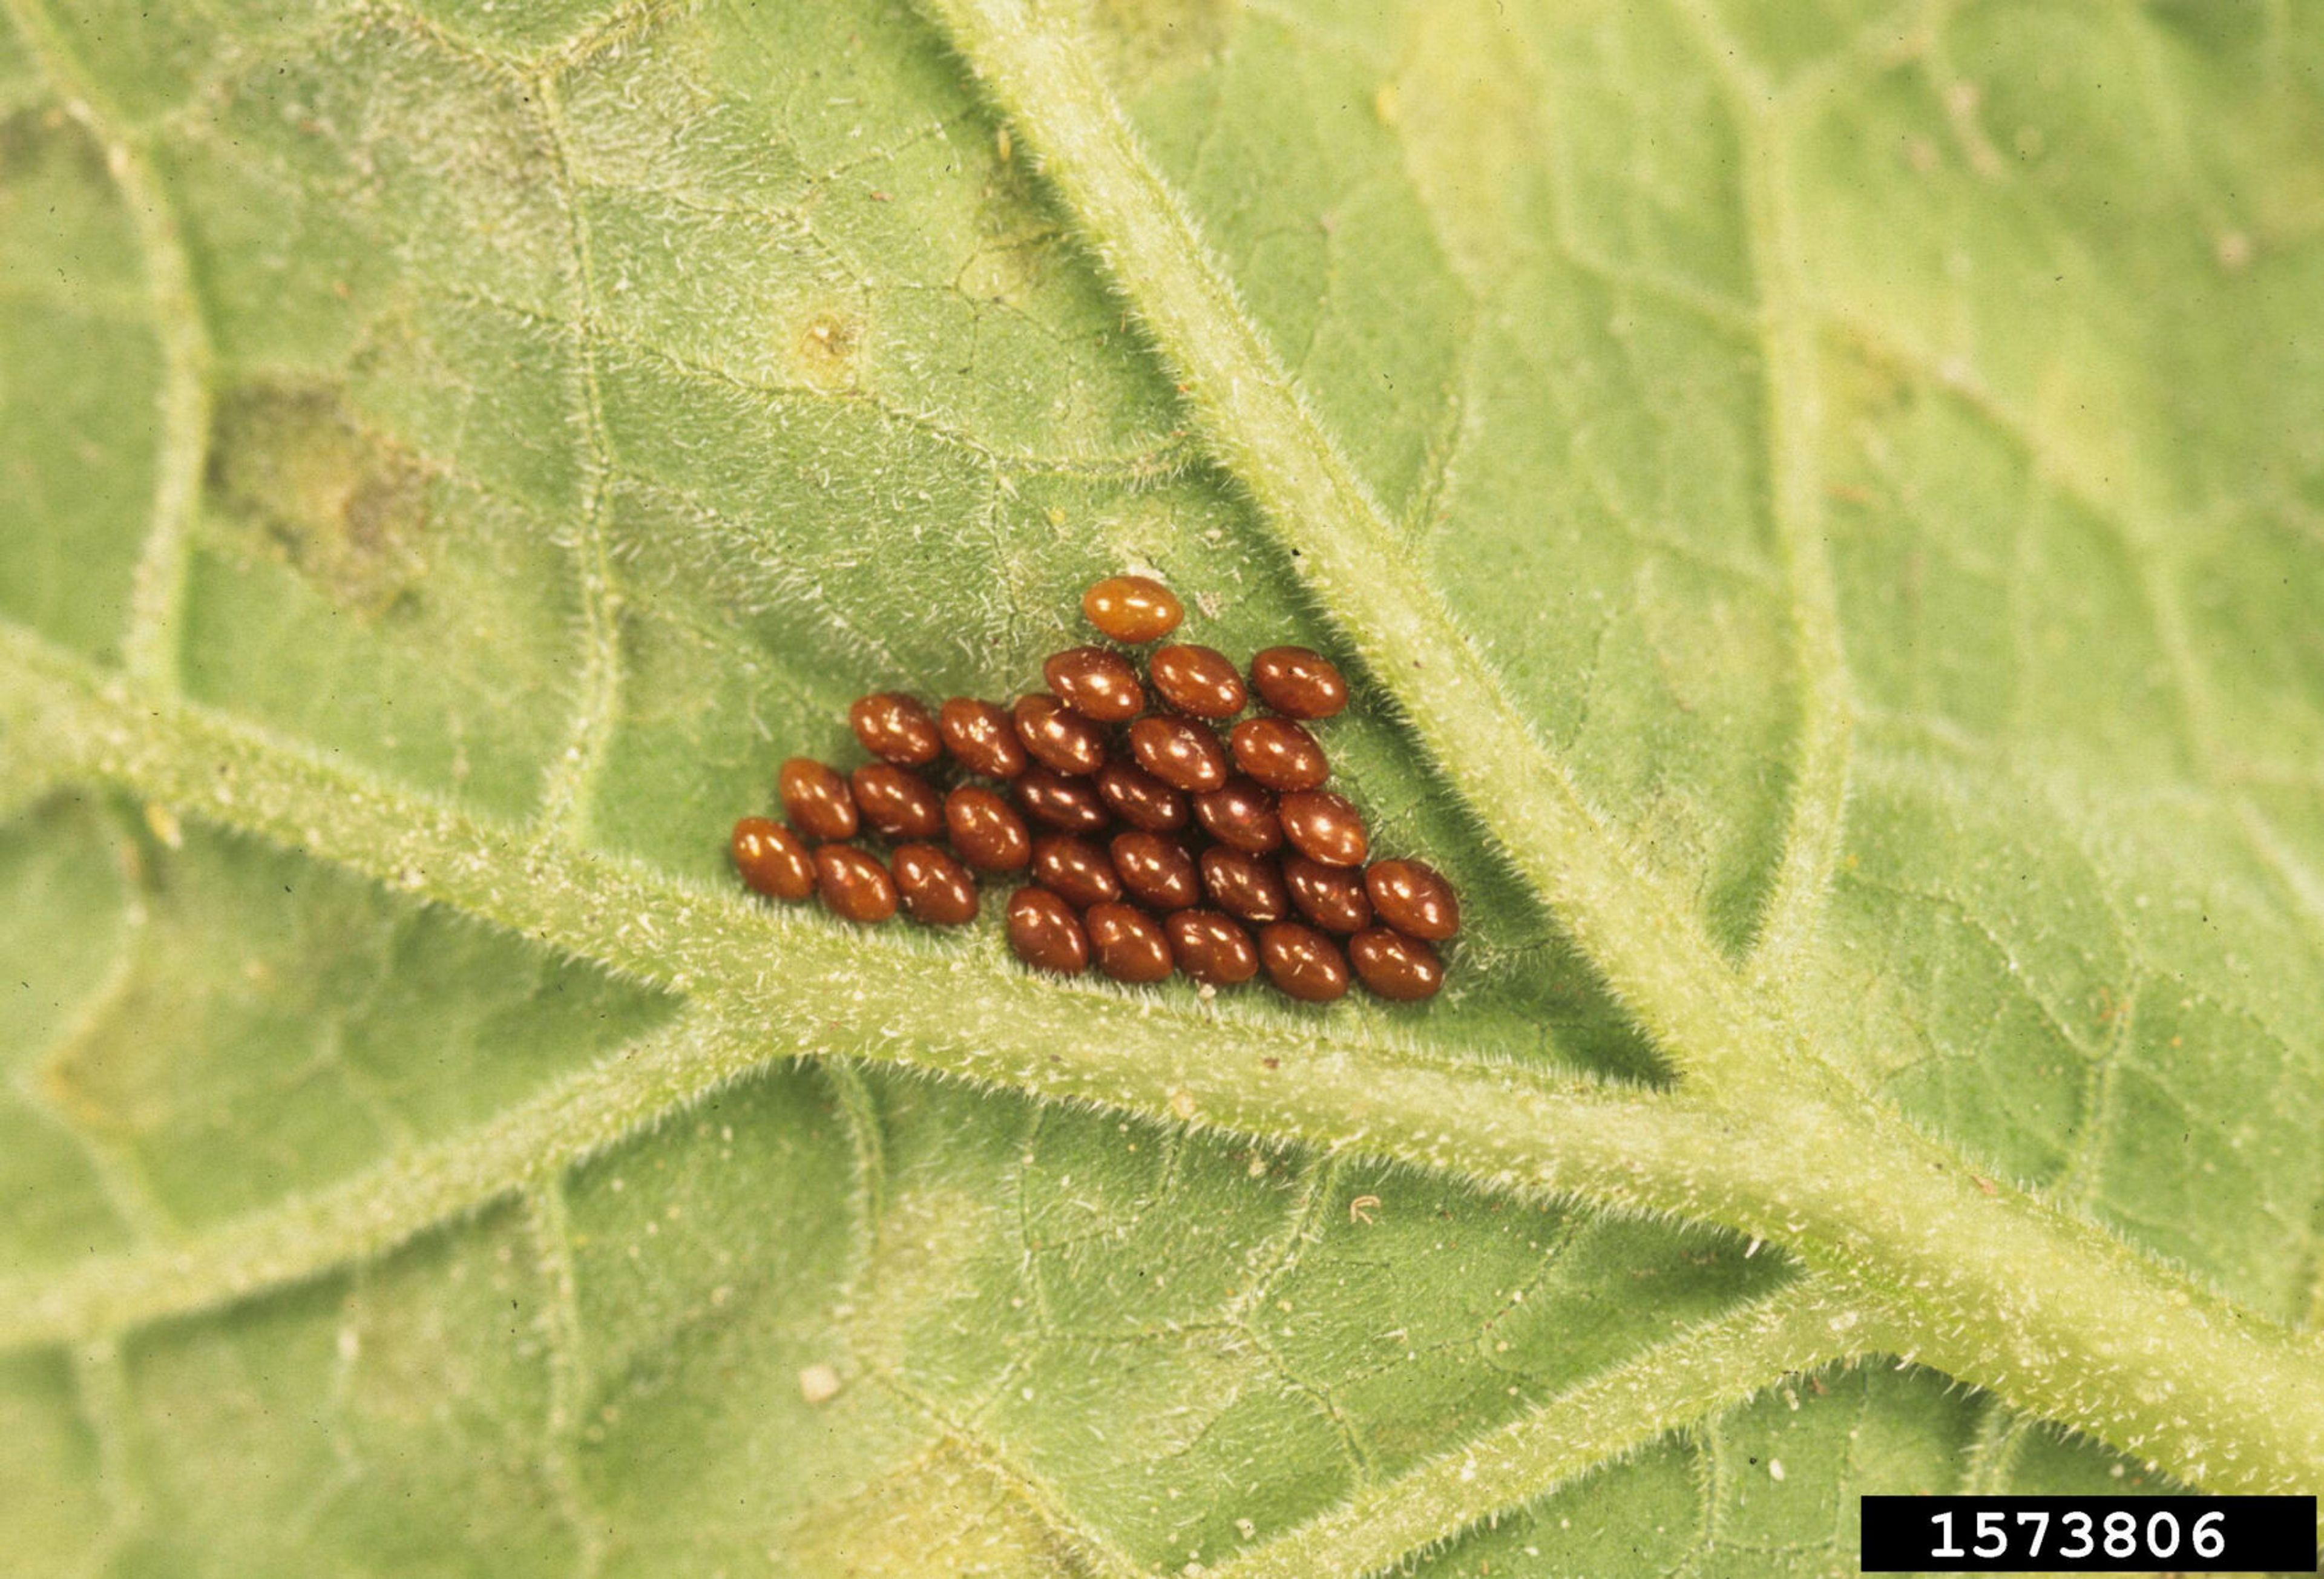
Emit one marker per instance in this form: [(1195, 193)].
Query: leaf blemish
[(346, 507), (827, 346)]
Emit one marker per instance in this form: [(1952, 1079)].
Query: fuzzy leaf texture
[(1823, 506)]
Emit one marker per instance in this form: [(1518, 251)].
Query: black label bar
[(2088, 1535)]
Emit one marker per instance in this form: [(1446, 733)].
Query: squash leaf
[(1823, 508)]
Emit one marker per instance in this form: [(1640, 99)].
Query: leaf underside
[(1879, 450)]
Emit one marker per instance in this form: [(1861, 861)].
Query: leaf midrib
[(1977, 1277)]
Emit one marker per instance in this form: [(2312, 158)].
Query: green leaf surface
[(1823, 506)]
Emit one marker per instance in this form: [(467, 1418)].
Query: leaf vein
[(1647, 943), (1667, 1386), (550, 1227), (150, 652), (1793, 409)]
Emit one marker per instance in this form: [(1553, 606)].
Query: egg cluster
[(1161, 845)]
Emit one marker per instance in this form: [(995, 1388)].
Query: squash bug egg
[(981, 737), (1179, 752), (1199, 681), (986, 829), (1414, 898), (1325, 827), (1302, 963), (896, 728), (1156, 870), (816, 798), (855, 887), (773, 859), (1131, 946), (1057, 736), (1298, 683), (1096, 683), (1075, 870), (936, 889), (1045, 933), (1212, 949), (1133, 609), (1402, 970), (1278, 753)]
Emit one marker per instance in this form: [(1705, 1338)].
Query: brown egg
[(1139, 798), (1096, 682), (1250, 888), (1070, 804), (937, 890), (896, 728), (1303, 963), (989, 834), (1198, 680), (1179, 752), (1241, 812), (816, 798), (1057, 736), (1129, 944), (1210, 948), (897, 802), (773, 859), (1156, 870), (1075, 870), (1278, 753), (1298, 683), (1332, 897), (981, 737), (1323, 826), (1046, 934), (1414, 898), (1133, 609), (854, 886), (1393, 966)]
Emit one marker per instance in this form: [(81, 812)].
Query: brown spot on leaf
[(345, 505), (30, 139), (827, 348)]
